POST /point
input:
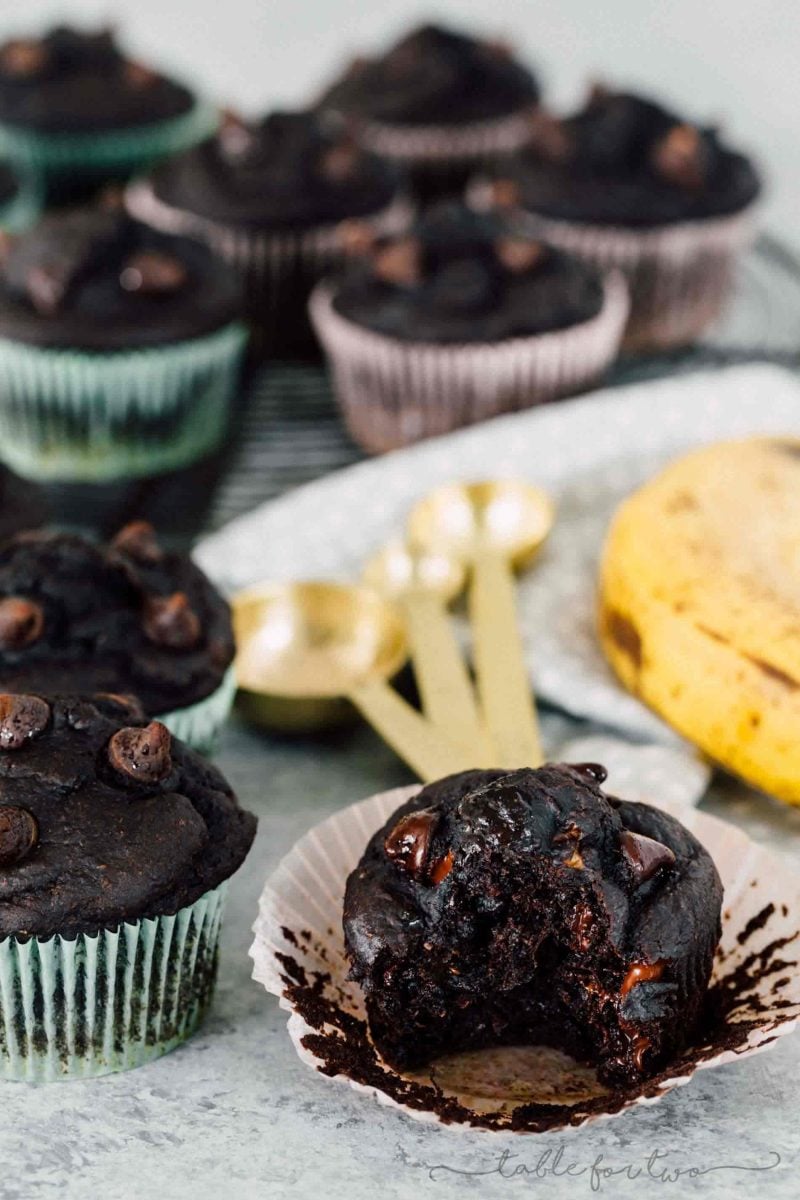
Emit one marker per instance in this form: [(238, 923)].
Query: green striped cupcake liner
[(91, 416), (76, 1008), (122, 152), (199, 725)]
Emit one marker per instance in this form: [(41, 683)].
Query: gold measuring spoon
[(493, 526), (423, 582), (310, 652)]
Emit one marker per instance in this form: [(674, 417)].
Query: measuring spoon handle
[(448, 697), (429, 753), (503, 683)]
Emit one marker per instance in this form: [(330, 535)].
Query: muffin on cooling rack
[(627, 184), (440, 103), (465, 317), (275, 199)]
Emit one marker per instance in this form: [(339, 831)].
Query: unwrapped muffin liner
[(393, 392), (92, 415), (298, 955), (199, 725), (679, 276), (74, 1008), (117, 152), (278, 268)]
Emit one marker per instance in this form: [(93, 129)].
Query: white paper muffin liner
[(392, 392), (299, 941), (199, 725), (76, 1008), (679, 276), (278, 269)]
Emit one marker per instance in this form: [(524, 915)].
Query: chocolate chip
[(121, 704), (641, 973), (138, 541), (19, 834), (46, 287), (519, 254), (138, 76), (142, 754), (594, 771), (679, 157), (339, 162), (21, 719), (644, 855), (171, 621), (152, 273), (21, 622), (23, 58), (399, 262), (408, 843), (441, 868)]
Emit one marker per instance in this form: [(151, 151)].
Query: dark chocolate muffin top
[(127, 617), (94, 279), (514, 907), (288, 170), (435, 76), (462, 276), (105, 818), (70, 81), (623, 160)]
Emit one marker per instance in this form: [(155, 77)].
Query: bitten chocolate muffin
[(127, 617), (532, 908), (115, 843), (465, 317), (120, 348), (625, 182), (74, 105), (440, 102), (270, 197)]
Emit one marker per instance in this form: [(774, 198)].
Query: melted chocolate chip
[(118, 702), (594, 771), (441, 868), (399, 262), (679, 157), (21, 622), (21, 719), (138, 540), (142, 754), (19, 834), (151, 273), (171, 621), (409, 842), (644, 855), (641, 973)]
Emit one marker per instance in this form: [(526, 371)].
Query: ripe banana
[(699, 605)]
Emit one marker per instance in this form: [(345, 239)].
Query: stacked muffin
[(116, 838)]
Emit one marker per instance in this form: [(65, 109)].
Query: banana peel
[(699, 605)]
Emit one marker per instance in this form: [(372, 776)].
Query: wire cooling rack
[(288, 431)]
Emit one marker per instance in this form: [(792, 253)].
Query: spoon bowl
[(506, 517), (303, 648)]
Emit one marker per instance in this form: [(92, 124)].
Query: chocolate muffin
[(120, 348), (626, 182), (275, 199), (75, 107), (440, 103), (128, 617), (465, 317), (531, 908), (116, 842)]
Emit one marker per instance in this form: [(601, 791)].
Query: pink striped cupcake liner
[(392, 393)]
